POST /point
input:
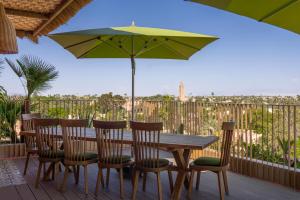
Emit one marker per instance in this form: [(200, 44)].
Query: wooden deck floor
[(241, 187)]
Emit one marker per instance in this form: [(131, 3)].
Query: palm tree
[(34, 74), (2, 90)]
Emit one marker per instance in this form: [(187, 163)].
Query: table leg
[(182, 161)]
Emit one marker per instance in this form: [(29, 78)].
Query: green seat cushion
[(154, 164), (51, 154), (89, 156), (116, 160), (207, 161)]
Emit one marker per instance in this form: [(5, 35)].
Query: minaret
[(181, 92)]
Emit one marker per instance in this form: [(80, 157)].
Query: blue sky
[(250, 58)]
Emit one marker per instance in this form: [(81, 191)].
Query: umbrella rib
[(98, 45), (184, 44), (148, 49), (175, 51), (144, 46), (79, 43), (284, 6)]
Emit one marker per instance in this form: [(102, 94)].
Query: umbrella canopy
[(132, 42), (281, 13)]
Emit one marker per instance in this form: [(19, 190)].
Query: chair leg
[(59, 167), (86, 190), (144, 181), (198, 180), (62, 186), (220, 183), (77, 174), (170, 181), (121, 183), (191, 184), (225, 181), (37, 180), (44, 170), (26, 163), (99, 180), (53, 170), (159, 187), (107, 177), (135, 183), (48, 172)]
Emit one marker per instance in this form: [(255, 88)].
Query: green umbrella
[(132, 42), (281, 13)]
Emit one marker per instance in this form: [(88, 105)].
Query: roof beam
[(22, 13), (52, 17)]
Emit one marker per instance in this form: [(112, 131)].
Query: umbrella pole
[(132, 86)]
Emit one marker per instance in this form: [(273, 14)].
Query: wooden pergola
[(33, 18)]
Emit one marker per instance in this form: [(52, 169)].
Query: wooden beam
[(23, 13), (52, 17)]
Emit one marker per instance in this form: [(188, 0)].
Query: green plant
[(10, 110), (285, 146), (34, 74)]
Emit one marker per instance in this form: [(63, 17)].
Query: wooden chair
[(76, 150), (30, 141), (146, 138), (110, 153), (216, 165), (48, 143)]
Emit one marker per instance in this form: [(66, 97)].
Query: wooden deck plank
[(9, 192), (240, 187), (25, 192)]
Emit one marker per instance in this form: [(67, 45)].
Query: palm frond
[(14, 67), (37, 73)]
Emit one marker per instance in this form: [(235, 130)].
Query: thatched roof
[(33, 18)]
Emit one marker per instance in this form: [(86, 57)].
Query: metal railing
[(266, 139)]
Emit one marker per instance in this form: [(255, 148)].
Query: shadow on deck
[(14, 187)]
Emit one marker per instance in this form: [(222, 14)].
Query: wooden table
[(180, 146)]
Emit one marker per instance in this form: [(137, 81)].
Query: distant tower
[(181, 92)]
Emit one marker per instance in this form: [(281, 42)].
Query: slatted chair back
[(146, 138), (27, 125), (27, 120), (47, 137), (227, 128), (107, 133), (75, 139)]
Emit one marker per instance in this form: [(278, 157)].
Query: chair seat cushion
[(89, 156), (116, 160), (207, 161), (52, 154), (154, 164)]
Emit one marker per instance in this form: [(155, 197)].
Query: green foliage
[(109, 101), (159, 97), (285, 145), (34, 73), (57, 112), (257, 152), (10, 110)]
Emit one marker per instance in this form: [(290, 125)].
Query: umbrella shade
[(281, 13), (132, 42)]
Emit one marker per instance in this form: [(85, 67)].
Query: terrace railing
[(266, 140)]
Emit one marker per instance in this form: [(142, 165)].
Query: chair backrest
[(27, 120), (47, 137), (146, 138), (227, 128), (107, 133), (75, 141), (27, 125)]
